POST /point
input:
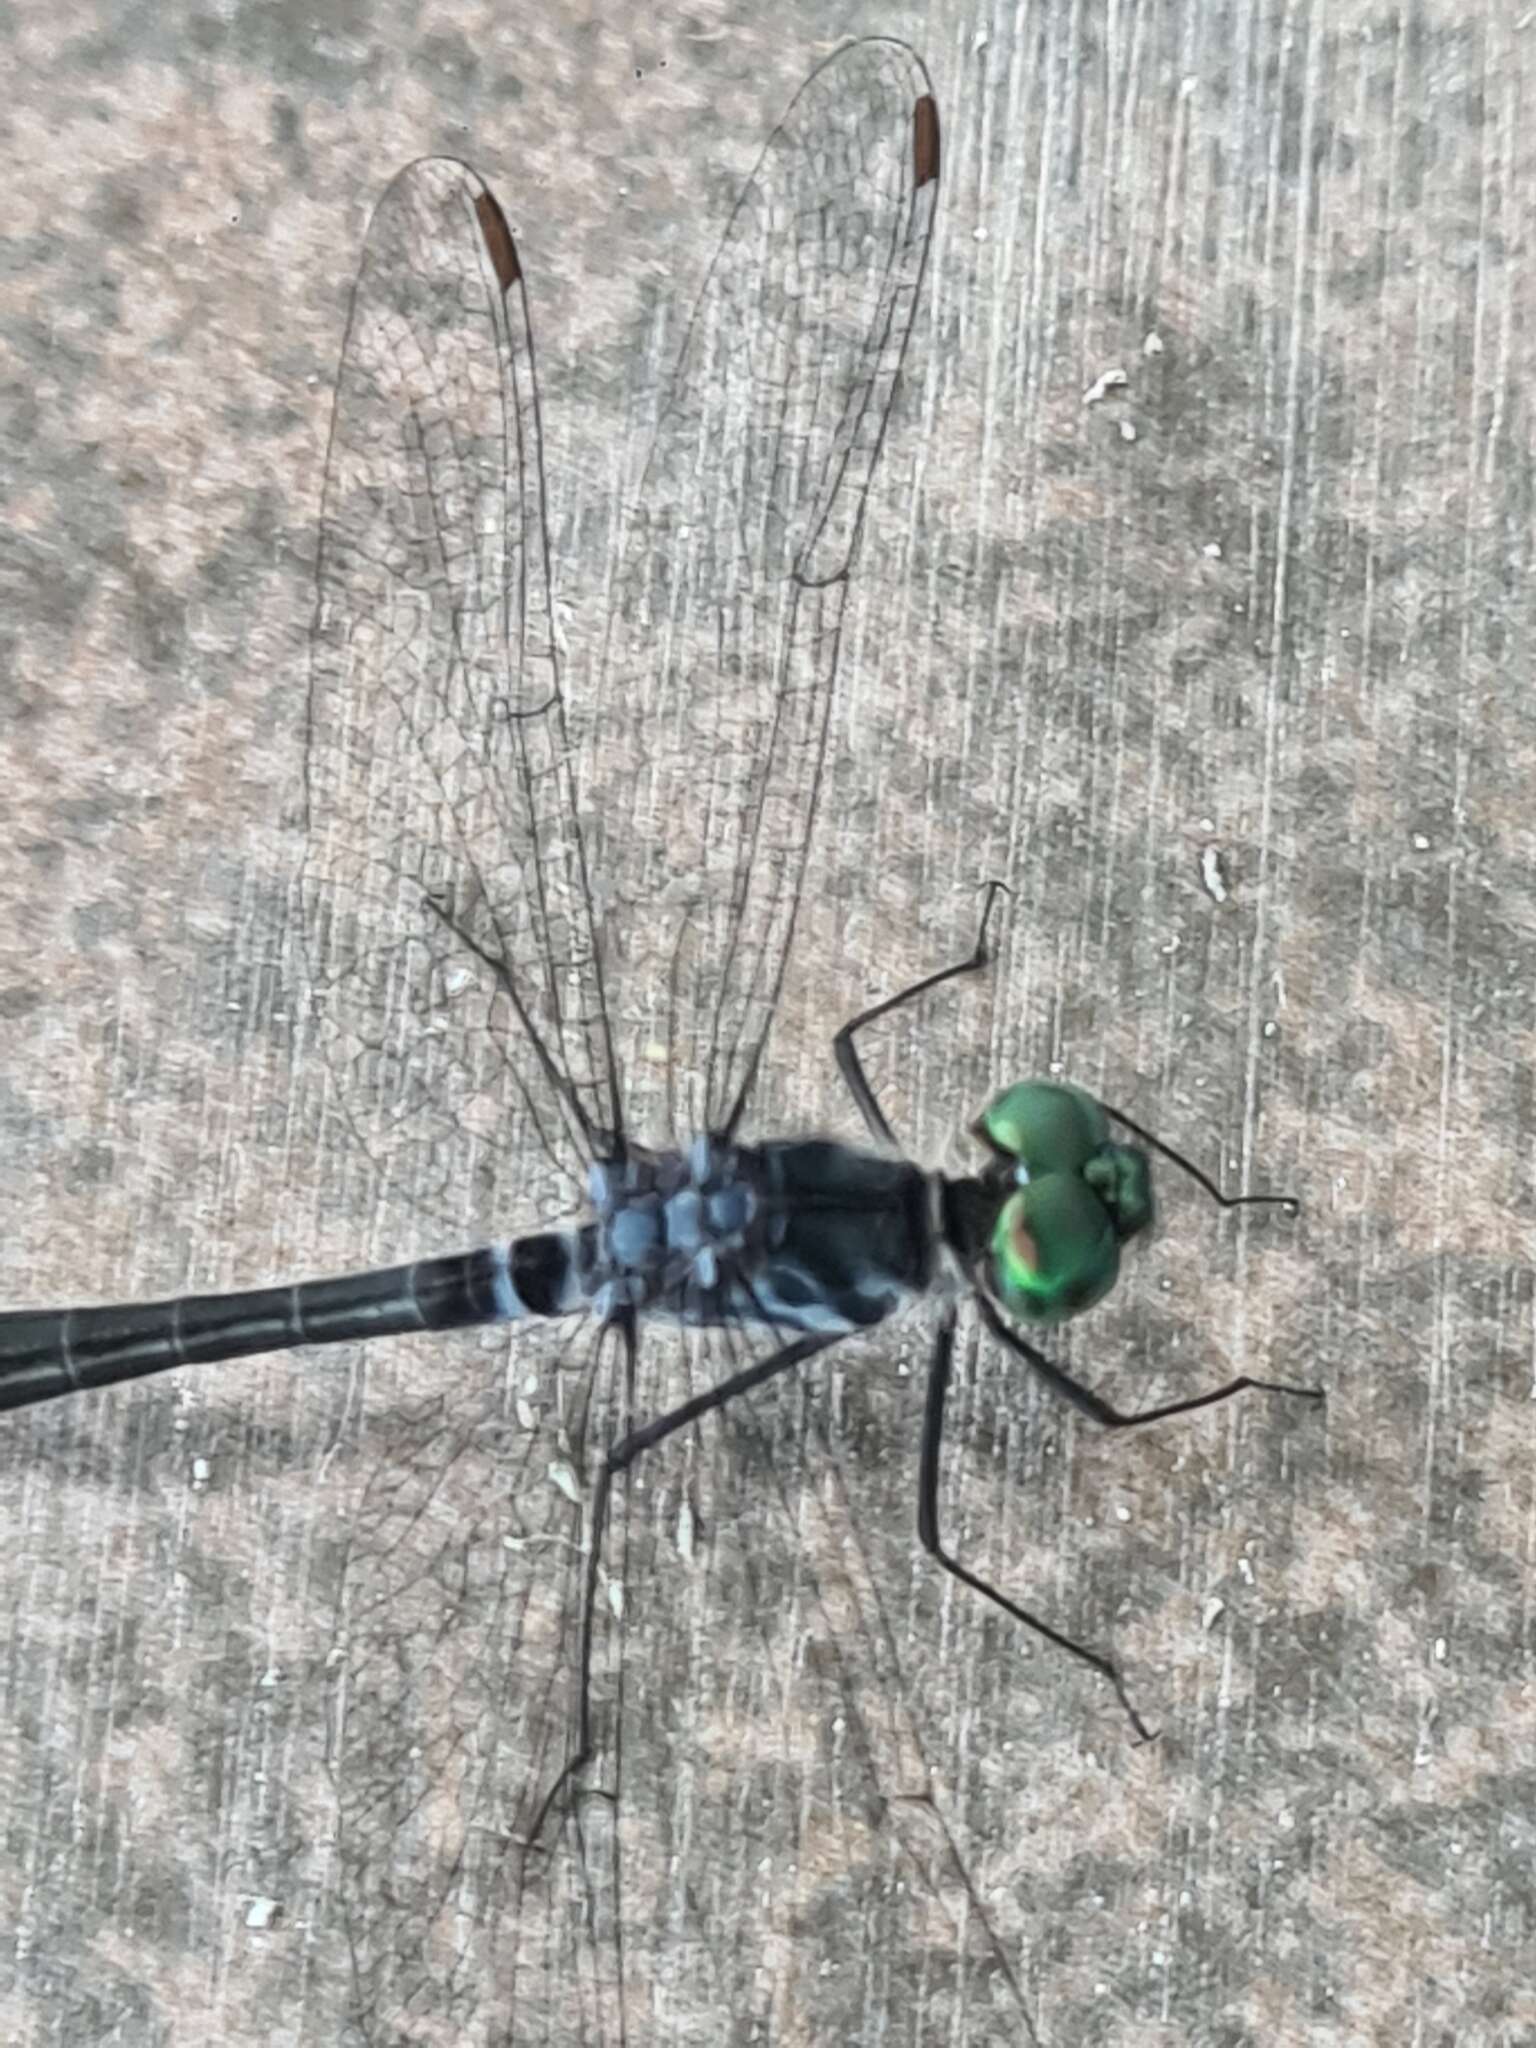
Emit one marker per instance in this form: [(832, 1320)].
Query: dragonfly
[(497, 903)]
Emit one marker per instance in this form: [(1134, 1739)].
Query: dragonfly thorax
[(669, 1222)]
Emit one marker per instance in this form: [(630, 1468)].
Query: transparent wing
[(459, 1627), (446, 913), (725, 633), (452, 1704), (449, 936)]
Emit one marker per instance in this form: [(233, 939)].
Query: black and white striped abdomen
[(49, 1352)]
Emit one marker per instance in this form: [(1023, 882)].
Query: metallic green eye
[(1055, 1250), (1052, 1129), (1046, 1125), (1122, 1180)]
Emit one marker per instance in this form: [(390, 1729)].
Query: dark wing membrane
[(723, 648), (446, 912)]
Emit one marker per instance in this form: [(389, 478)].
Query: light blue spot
[(729, 1210), (685, 1221), (634, 1236)]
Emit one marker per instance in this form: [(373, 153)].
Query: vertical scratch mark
[(1302, 281)]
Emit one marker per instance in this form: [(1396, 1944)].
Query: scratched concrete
[(1226, 671)]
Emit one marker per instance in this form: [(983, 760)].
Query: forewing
[(446, 914), (449, 936), (723, 650), (464, 1569)]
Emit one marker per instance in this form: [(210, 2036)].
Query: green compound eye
[(1055, 1250), (1047, 1126), (1056, 1240)]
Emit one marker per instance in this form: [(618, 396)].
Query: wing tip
[(925, 140), (497, 237)]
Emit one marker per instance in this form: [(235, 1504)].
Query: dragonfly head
[(1064, 1197)]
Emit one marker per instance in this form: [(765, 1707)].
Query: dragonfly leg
[(849, 1064), (619, 1458), (1288, 1203), (1091, 1404), (928, 1527)]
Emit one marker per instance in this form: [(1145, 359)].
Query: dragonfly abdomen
[(48, 1352)]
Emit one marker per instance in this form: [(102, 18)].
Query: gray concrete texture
[(1226, 672)]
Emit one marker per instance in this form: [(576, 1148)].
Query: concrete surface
[(1226, 671)]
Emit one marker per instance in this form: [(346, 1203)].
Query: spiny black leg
[(619, 1458), (1091, 1404), (1288, 1203), (842, 1045), (928, 1526)]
